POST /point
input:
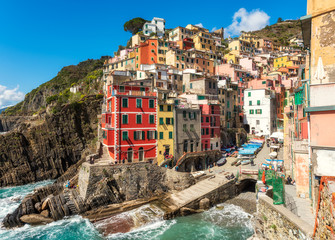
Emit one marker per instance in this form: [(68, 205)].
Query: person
[(123, 161), (289, 180), (177, 168)]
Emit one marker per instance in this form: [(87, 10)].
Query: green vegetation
[(281, 32), (56, 92), (134, 25)]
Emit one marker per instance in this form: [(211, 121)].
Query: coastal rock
[(45, 149), (45, 213), (35, 219), (45, 204), (184, 211), (38, 206), (204, 204)]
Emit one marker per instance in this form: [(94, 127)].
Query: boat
[(273, 155), (221, 162), (245, 162)]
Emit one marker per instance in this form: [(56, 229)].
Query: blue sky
[(38, 38)]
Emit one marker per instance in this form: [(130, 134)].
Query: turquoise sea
[(226, 222)]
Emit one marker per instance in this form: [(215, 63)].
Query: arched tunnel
[(246, 185)]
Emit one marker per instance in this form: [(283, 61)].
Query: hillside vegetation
[(56, 92), (281, 32)]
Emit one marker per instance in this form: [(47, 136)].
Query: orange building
[(146, 53)]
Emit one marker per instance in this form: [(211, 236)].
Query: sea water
[(226, 221)]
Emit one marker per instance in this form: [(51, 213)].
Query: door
[(140, 154), (130, 155)]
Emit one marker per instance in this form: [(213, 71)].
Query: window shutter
[(172, 121), (155, 134), (189, 115), (135, 135), (148, 135), (143, 135)]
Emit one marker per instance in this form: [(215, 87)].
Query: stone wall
[(129, 181), (277, 222)]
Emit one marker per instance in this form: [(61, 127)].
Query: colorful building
[(210, 126), (129, 123), (165, 128)]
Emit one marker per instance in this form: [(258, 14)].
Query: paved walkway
[(299, 206), (197, 190)]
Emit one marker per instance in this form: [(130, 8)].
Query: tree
[(279, 20), (134, 25)]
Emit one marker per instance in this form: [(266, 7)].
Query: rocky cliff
[(103, 185), (45, 148)]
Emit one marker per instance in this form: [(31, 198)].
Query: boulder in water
[(45, 204), (204, 204), (38, 206), (35, 219), (45, 213)]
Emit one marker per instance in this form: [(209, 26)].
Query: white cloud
[(214, 29), (10, 96), (199, 25), (247, 21)]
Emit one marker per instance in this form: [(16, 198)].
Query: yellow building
[(288, 61), (231, 58), (238, 47), (165, 149), (163, 47), (203, 41)]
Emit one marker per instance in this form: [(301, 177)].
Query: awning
[(306, 24)]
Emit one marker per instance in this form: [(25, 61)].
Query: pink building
[(234, 71), (249, 65)]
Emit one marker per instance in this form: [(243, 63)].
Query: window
[(104, 134), (139, 119), (207, 131), (210, 84), (121, 89), (177, 57), (125, 102), (257, 122), (250, 103), (207, 119), (170, 135), (161, 135), (202, 131), (124, 119), (161, 121), (139, 103), (169, 108), (251, 111), (124, 135), (191, 85), (184, 114), (258, 102), (151, 119), (161, 108), (151, 103), (182, 58), (192, 127), (151, 134), (184, 127), (139, 135), (249, 94), (263, 82), (168, 121), (153, 44), (258, 111)]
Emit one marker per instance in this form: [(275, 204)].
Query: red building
[(129, 123), (210, 126)]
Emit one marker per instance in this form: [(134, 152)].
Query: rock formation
[(45, 149), (108, 185)]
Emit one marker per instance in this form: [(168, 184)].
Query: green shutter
[(258, 102), (170, 135), (135, 135), (143, 135), (161, 135), (172, 121), (260, 111), (155, 134), (161, 121), (148, 135), (189, 115)]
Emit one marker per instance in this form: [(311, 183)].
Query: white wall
[(265, 126)]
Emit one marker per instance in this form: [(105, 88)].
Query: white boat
[(273, 155), (245, 162)]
